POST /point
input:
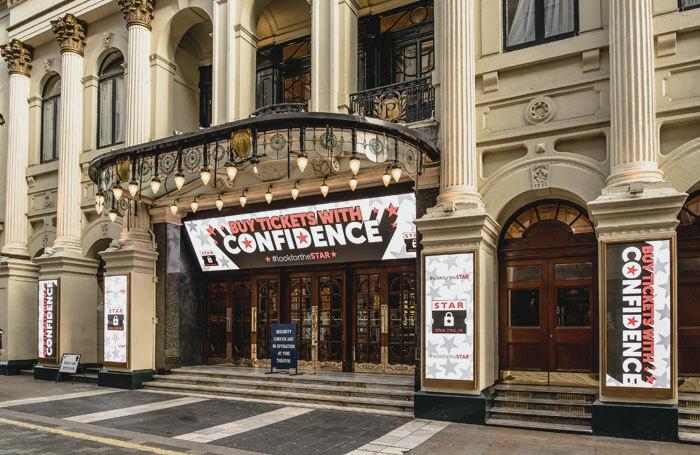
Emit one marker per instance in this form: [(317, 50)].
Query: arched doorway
[(548, 308), (689, 287)]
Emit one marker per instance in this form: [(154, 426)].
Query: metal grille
[(518, 395), (570, 397), (576, 409), (406, 102)]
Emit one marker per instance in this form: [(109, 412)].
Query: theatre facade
[(496, 201)]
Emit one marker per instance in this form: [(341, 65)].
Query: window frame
[(44, 100), (539, 27), (100, 80), (686, 8)]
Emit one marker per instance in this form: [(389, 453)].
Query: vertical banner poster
[(48, 319), (449, 317), (638, 321), (116, 319)]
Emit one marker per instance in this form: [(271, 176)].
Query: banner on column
[(49, 293), (638, 322), (116, 330), (449, 315)]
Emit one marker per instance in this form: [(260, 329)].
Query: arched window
[(50, 131), (690, 216), (561, 213), (110, 108)]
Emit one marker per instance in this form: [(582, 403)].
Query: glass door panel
[(402, 318), (301, 300), (330, 318), (217, 320), (240, 326), (368, 318), (268, 313)]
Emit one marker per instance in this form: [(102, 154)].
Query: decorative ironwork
[(406, 102), (281, 108)]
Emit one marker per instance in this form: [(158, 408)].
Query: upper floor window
[(530, 22), (50, 130), (110, 108), (284, 73), (688, 4)]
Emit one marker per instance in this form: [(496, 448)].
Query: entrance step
[(689, 417), (383, 394), (566, 409)]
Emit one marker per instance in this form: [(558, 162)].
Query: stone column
[(333, 54), (138, 15), (457, 107), (18, 275), (19, 61), (70, 33), (77, 325), (459, 221), (633, 139)]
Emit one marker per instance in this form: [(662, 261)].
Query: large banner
[(116, 313), (48, 319), (638, 323), (370, 229), (449, 317)]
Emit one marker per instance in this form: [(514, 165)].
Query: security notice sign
[(116, 319), (449, 318), (638, 322), (372, 229), (48, 319)]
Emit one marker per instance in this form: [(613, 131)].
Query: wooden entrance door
[(229, 321), (548, 315), (689, 287)]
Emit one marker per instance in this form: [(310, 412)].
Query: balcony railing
[(405, 102)]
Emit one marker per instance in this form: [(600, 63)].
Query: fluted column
[(19, 61), (138, 15), (70, 33), (457, 112), (634, 143)]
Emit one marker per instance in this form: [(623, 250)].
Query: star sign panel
[(371, 229), (116, 319), (638, 323), (449, 317)]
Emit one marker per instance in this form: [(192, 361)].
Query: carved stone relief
[(540, 174)]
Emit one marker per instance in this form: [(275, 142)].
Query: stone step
[(689, 411), (689, 437), (373, 392), (569, 394), (292, 397), (541, 403), (689, 426), (396, 382), (361, 410), (529, 425)]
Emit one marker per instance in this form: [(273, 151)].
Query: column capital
[(18, 57), (137, 12), (70, 33)]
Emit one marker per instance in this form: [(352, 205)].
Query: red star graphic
[(650, 379), (216, 242), (333, 254), (211, 231), (302, 238), (393, 224), (374, 210), (267, 259), (632, 270), (247, 243), (632, 321), (392, 210)]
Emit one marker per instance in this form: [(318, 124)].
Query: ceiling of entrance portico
[(282, 17)]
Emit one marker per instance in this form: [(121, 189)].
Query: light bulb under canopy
[(324, 189), (386, 178), (219, 204), (99, 208), (353, 183), (243, 199), (355, 164), (155, 185), (302, 161), (117, 191), (133, 188), (194, 205), (173, 208), (100, 199), (295, 192), (268, 196), (113, 215), (396, 172), (205, 175), (231, 170), (179, 180)]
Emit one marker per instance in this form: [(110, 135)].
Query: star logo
[(393, 210), (267, 259), (632, 270), (374, 210), (211, 231), (302, 238), (333, 254), (393, 224), (247, 243), (632, 321)]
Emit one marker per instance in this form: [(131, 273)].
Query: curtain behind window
[(105, 109), (48, 134), (689, 3), (559, 17), (522, 26), (119, 109)]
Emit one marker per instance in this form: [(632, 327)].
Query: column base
[(654, 422), (15, 367), (129, 380), (451, 407)]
